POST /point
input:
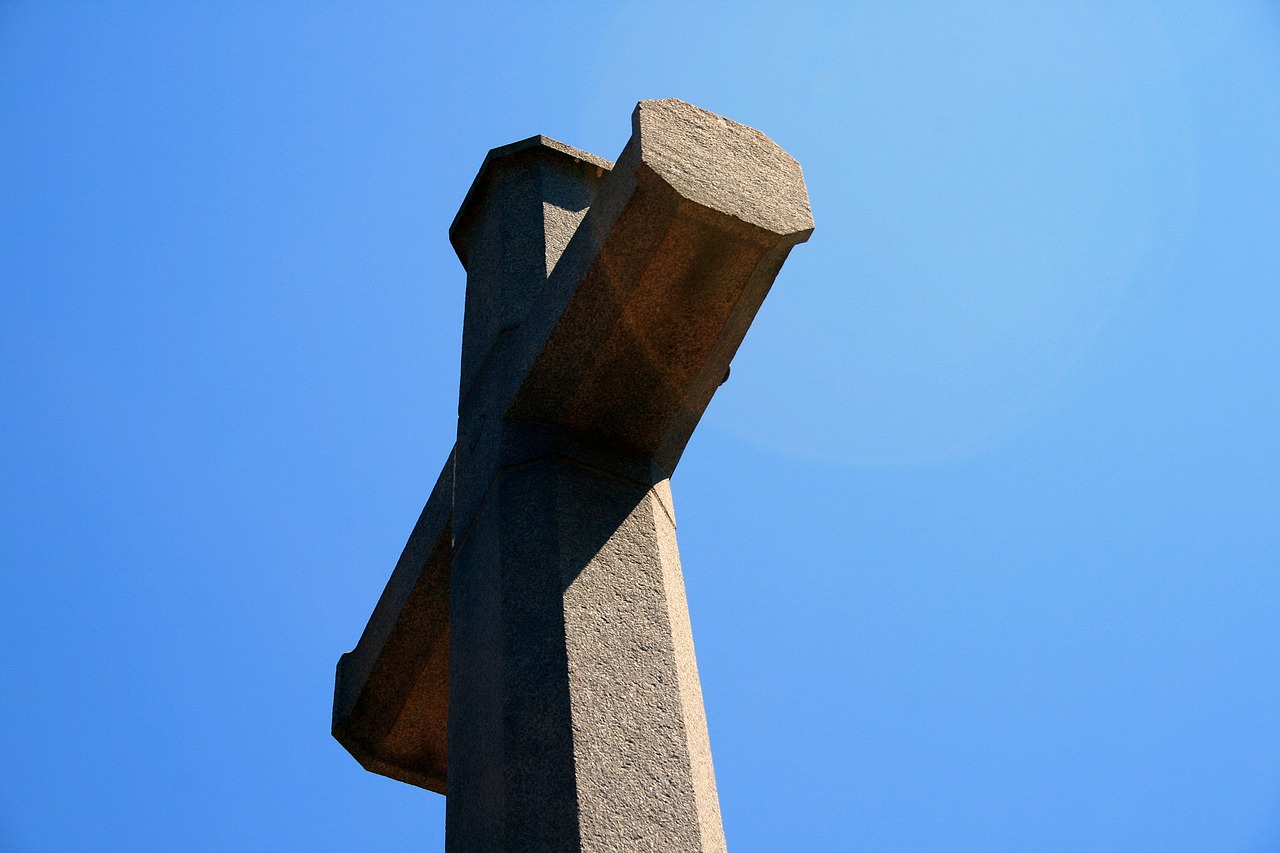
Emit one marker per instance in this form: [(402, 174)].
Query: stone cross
[(531, 657)]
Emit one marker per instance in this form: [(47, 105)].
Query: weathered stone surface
[(390, 699), (587, 723), (655, 291), (521, 211), (543, 584)]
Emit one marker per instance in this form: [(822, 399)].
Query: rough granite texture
[(532, 656)]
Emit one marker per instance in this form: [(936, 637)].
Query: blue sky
[(981, 540)]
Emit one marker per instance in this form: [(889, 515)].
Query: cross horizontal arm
[(660, 282), (395, 725)]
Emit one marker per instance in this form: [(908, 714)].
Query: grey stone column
[(575, 715), (576, 718)]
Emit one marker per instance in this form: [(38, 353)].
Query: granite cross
[(531, 657)]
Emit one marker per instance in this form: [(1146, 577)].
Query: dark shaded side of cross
[(535, 629)]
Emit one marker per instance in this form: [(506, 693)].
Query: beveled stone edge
[(789, 196), (368, 758), (532, 146), (355, 667)]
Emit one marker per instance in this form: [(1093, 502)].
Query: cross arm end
[(391, 691)]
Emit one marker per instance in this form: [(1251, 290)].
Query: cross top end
[(707, 159), (506, 156)]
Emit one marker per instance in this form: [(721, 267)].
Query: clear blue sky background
[(982, 539)]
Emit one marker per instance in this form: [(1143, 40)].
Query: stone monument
[(531, 657)]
